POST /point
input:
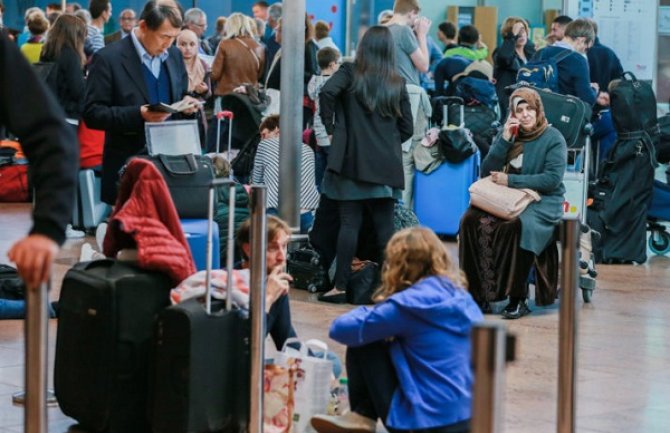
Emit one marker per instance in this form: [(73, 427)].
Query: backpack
[(476, 91), (628, 95), (542, 73)]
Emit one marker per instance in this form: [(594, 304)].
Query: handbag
[(456, 144), (188, 178), (314, 374), (499, 200), (362, 283)]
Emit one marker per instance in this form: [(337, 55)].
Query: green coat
[(544, 164), (221, 217)]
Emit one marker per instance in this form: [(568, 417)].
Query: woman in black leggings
[(366, 109)]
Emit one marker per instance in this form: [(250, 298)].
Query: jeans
[(320, 164)]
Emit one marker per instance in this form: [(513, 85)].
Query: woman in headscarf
[(497, 255), (198, 74)]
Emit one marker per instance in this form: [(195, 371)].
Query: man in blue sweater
[(573, 71)]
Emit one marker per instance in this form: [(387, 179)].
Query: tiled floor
[(624, 350)]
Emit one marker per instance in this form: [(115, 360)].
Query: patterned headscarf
[(532, 98)]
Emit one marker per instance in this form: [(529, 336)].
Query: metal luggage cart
[(576, 181)]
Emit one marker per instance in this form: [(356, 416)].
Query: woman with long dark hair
[(366, 109), (65, 48)]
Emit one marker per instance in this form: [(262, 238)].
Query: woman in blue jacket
[(408, 357)]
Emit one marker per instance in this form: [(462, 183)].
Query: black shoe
[(512, 311)]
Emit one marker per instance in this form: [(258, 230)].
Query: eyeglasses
[(127, 19), (202, 26)]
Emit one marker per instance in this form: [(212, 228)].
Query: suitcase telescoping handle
[(225, 114), (448, 100), (230, 247)]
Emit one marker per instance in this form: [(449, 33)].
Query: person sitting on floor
[(266, 171), (408, 357)]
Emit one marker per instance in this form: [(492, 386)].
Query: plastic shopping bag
[(313, 376)]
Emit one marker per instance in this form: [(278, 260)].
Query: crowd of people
[(363, 118)]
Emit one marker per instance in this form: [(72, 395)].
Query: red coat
[(145, 218)]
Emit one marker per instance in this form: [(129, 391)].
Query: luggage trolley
[(576, 181)]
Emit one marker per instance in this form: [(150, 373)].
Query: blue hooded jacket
[(431, 323)]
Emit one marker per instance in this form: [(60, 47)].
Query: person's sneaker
[(88, 254), (512, 311), (349, 422), (100, 233), (71, 233)]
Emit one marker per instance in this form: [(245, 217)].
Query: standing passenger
[(366, 109), (128, 76)]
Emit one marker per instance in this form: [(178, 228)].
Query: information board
[(629, 27)]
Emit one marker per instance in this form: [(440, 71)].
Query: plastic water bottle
[(339, 398)]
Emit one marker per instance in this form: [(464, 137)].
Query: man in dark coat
[(128, 76), (604, 65), (31, 112)]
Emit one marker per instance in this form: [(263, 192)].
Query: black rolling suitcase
[(307, 270), (201, 375), (105, 330), (567, 113)]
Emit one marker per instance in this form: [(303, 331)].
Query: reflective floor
[(624, 349)]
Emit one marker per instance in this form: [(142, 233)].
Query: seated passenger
[(497, 255), (278, 321), (408, 357), (266, 171)]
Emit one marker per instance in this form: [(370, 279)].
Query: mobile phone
[(514, 130)]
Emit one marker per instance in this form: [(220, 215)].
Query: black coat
[(31, 112), (604, 65), (69, 85), (365, 146), (506, 64), (115, 91)]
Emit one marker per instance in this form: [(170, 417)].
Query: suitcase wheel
[(312, 288), (315, 261)]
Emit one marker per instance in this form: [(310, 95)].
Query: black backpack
[(627, 96)]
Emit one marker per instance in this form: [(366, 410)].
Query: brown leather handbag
[(499, 200)]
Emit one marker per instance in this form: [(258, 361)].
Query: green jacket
[(544, 164), (221, 216), (468, 53)]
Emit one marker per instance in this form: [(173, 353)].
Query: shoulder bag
[(500, 201)]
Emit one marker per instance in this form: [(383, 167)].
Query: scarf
[(196, 72), (532, 98)]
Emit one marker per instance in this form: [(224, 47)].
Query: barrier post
[(491, 349), (567, 334), (36, 339), (257, 301)]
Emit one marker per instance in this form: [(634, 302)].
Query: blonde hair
[(237, 25), (508, 25), (411, 255), (403, 7)]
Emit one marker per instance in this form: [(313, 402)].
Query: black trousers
[(351, 219), (278, 321), (372, 382)]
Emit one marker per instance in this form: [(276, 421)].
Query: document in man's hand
[(177, 107)]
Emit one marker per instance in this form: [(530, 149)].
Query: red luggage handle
[(225, 114)]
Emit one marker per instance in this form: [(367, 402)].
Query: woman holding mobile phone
[(497, 255)]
